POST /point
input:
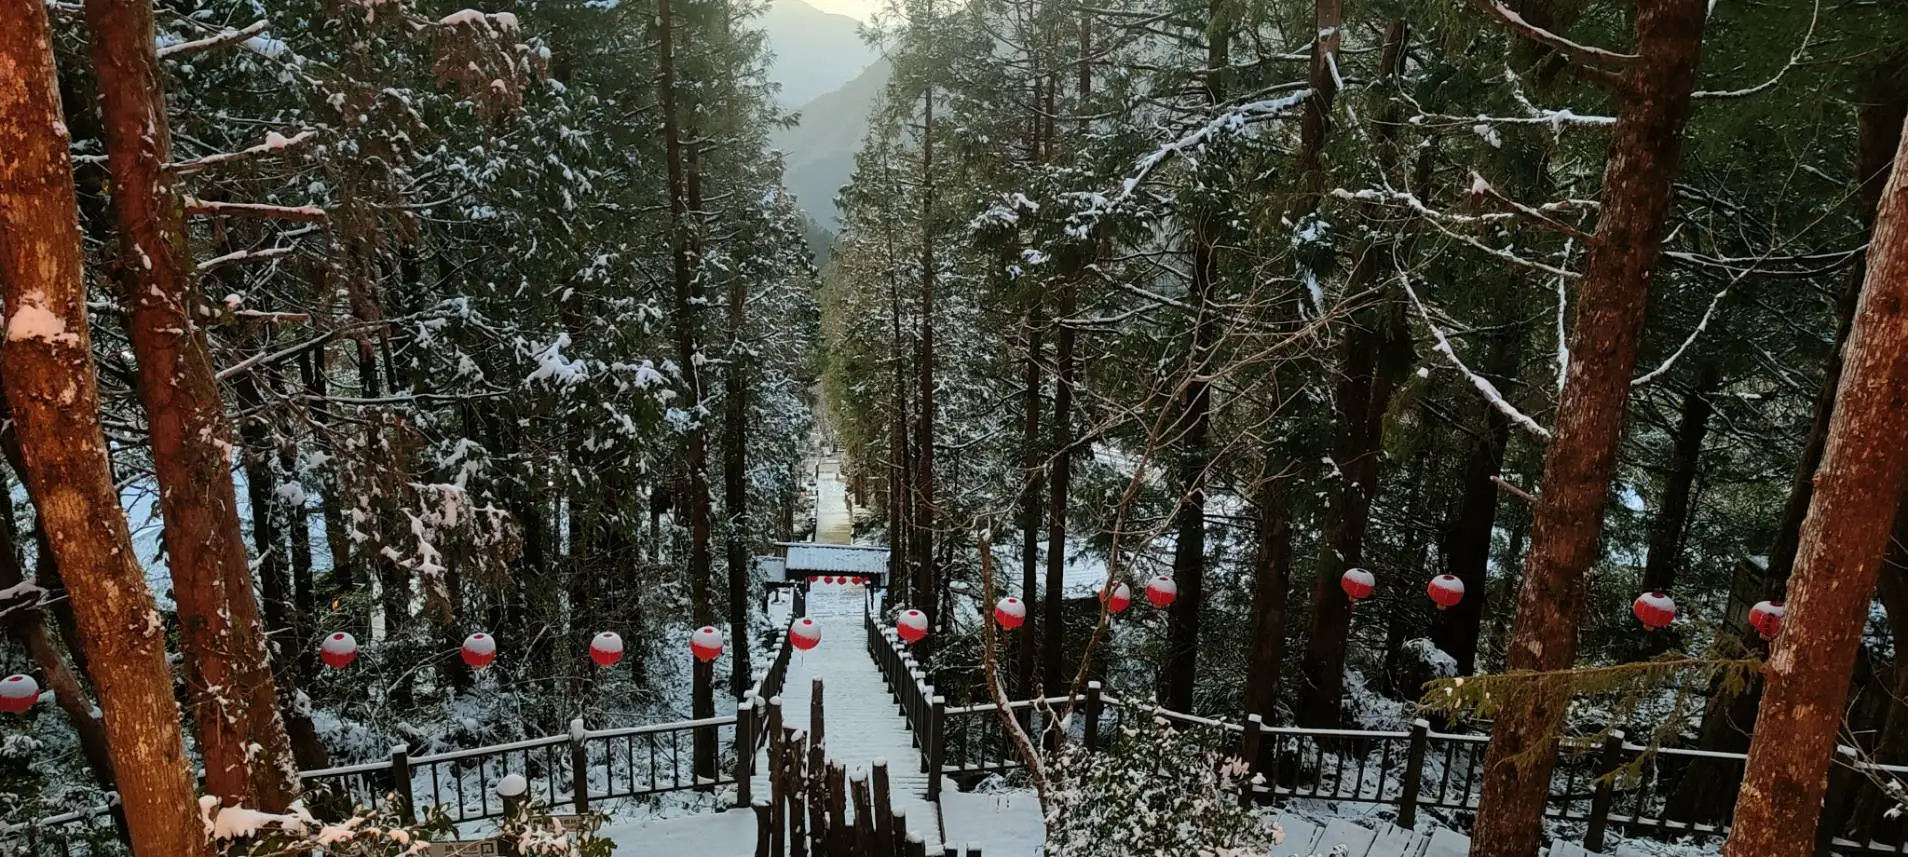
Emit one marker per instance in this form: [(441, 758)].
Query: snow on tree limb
[(205, 208), (217, 40), (1589, 55), (1483, 385), (274, 142)]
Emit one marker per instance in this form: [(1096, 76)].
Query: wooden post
[(744, 751), (798, 798), (1249, 749), (1605, 794), (815, 733), (514, 791), (1413, 773), (937, 733), (864, 815), (839, 835), (884, 812), (1092, 714), (898, 845), (579, 766), (917, 847), (973, 849), (401, 783), (764, 830)]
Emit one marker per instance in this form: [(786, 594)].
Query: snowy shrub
[(1160, 793), (535, 831)]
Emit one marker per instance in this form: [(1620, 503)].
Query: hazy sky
[(859, 10)]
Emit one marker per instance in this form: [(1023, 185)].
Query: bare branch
[(307, 213), (274, 142), (1483, 385), (1588, 55), (222, 39)]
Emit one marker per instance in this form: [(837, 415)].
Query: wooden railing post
[(1249, 749), (936, 745), (898, 837), (744, 751), (815, 733), (864, 837), (401, 783), (764, 830), (883, 811), (1605, 795), (514, 791), (1413, 773), (917, 846), (1092, 714), (579, 766)]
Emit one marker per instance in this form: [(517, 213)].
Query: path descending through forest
[(860, 721)]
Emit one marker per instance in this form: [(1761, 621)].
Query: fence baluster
[(1249, 749), (401, 782), (1606, 791), (1413, 774), (864, 815), (937, 731), (744, 751), (764, 837), (1092, 727)]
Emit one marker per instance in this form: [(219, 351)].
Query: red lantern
[(828, 579), (1121, 596), (1766, 618), (338, 650), (606, 649), (1162, 591), (911, 627), (706, 644), (479, 650), (804, 634), (1010, 612), (1654, 609), (1357, 583), (18, 693), (1446, 590)]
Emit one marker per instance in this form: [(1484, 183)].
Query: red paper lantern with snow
[(706, 643), (338, 650), (1654, 609), (1357, 584), (1010, 612), (1766, 617), (18, 693), (911, 627), (804, 634), (479, 650), (1162, 591), (1118, 599), (828, 578), (606, 649), (1446, 590)]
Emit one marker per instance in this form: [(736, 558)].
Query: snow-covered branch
[(236, 256), (274, 143), (1438, 219), (217, 40), (1795, 59), (1594, 57), (1483, 385), (206, 208), (1484, 188)]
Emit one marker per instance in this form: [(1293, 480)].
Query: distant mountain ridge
[(815, 51), (832, 78), (820, 151)]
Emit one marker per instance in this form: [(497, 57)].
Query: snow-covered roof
[(810, 557)]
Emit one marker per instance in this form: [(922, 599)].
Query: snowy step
[(1447, 843)]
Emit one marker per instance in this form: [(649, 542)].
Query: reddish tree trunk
[(921, 540), (54, 398), (234, 694), (1581, 458), (25, 628), (1035, 476), (1843, 539), (688, 295), (1667, 528), (1271, 586), (1053, 642)]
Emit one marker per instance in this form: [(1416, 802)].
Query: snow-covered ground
[(1002, 822), (834, 522), (861, 722)]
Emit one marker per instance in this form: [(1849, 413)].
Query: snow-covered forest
[(385, 374)]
